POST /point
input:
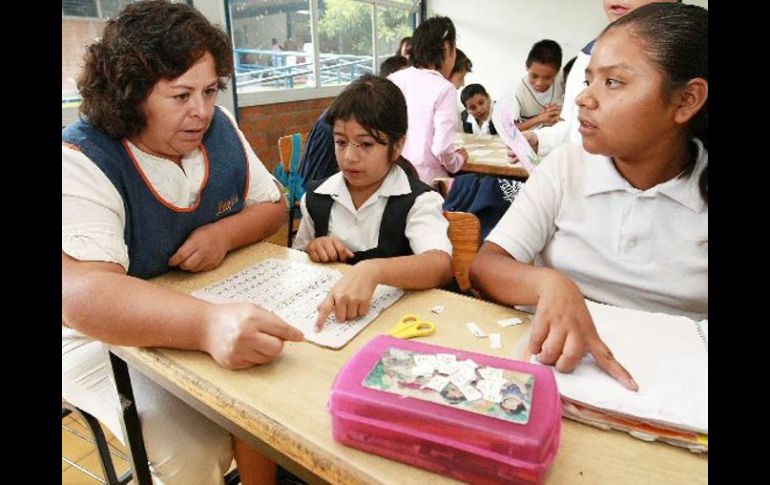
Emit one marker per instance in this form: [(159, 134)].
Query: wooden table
[(281, 407), (487, 155)]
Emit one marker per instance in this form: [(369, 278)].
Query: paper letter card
[(293, 290)]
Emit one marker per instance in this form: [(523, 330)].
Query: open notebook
[(293, 290), (667, 356)]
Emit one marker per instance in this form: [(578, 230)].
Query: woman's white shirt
[(93, 214)]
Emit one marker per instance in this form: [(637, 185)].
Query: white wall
[(498, 34)]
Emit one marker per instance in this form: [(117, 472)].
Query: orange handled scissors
[(412, 326)]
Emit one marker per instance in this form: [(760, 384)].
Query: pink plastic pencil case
[(445, 438)]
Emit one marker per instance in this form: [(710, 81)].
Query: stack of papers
[(667, 356)]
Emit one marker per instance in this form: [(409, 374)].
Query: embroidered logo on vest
[(224, 206)]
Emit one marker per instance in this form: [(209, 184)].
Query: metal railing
[(284, 70), (281, 69)]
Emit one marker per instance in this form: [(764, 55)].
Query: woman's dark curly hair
[(148, 41)]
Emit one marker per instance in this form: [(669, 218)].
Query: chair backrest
[(465, 234), (290, 149), (442, 185)]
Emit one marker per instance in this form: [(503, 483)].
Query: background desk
[(282, 407), (487, 155)]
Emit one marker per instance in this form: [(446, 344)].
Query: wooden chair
[(290, 150), (465, 234)]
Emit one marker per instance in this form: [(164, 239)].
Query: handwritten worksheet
[(293, 291)]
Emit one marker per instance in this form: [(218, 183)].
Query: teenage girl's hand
[(351, 297), (204, 249), (563, 331), (328, 249), (241, 335)]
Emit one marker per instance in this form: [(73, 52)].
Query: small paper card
[(504, 120), (498, 393)]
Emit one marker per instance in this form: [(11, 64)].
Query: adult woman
[(155, 177)]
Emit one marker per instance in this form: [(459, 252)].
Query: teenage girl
[(622, 220)]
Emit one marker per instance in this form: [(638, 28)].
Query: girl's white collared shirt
[(646, 250), (426, 226)]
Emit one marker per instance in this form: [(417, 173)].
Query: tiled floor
[(80, 461)]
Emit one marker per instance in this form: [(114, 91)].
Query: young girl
[(623, 219), (373, 213), (432, 101)]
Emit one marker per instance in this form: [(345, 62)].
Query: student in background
[(405, 48), (535, 100), (477, 116), (275, 60), (463, 66), (375, 213), (431, 98), (319, 161), (622, 219), (393, 64), (545, 139), (156, 177), (566, 70)]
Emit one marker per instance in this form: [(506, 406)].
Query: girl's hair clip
[(446, 32)]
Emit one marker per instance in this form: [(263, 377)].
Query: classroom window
[(101, 9), (274, 42), (393, 24), (82, 22)]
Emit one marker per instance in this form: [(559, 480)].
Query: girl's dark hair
[(545, 51), (472, 90), (568, 67), (675, 37), (428, 42), (148, 41), (379, 107), (462, 63), (393, 64), (405, 40)]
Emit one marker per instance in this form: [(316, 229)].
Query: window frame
[(287, 95), (217, 12)]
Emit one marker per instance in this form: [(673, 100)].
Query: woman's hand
[(241, 335), (351, 297), (204, 249), (328, 249), (563, 331)]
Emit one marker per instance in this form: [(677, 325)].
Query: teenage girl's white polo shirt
[(646, 250)]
